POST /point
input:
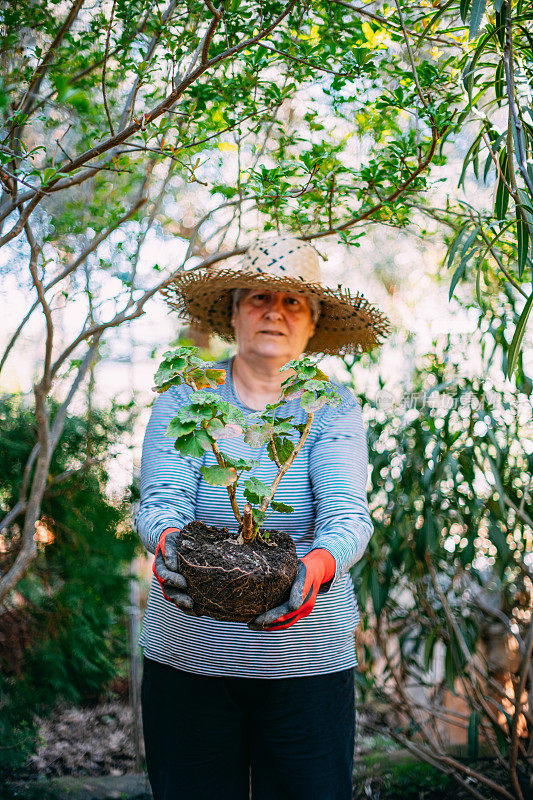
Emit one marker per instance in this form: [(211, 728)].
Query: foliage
[(405, 780), (494, 246), (116, 122), (64, 633), (208, 418), (448, 571)]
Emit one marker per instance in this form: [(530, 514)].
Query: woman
[(229, 708)]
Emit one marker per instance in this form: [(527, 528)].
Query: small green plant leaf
[(218, 430), (334, 399), (258, 517), (219, 476), (240, 464), (379, 593), (193, 444), (311, 404), (501, 738), (463, 8), (284, 449), (281, 508), (256, 436), (255, 491), (178, 428)]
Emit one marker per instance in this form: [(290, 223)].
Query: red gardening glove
[(315, 569), (165, 569)]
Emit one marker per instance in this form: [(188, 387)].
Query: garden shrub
[(63, 634)]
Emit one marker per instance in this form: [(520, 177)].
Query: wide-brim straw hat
[(347, 322)]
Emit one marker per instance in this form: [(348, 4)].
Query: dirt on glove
[(231, 581)]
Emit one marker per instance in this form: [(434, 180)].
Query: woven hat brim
[(348, 322)]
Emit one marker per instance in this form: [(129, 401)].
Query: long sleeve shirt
[(326, 486)]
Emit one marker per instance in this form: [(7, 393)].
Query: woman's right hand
[(165, 569)]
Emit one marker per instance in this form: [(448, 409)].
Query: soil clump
[(235, 582)]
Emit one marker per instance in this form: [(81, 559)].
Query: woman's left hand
[(314, 569)]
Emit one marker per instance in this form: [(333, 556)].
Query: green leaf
[(429, 646), (218, 430), (256, 436), (501, 202), (455, 246), (312, 404), (284, 449), (458, 274), (463, 9), (450, 671), (514, 349), (240, 463), (501, 738), (255, 490), (500, 541), (258, 517), (473, 735), (193, 444), (281, 508), (168, 372), (523, 242), (379, 593), (178, 428), (234, 414), (219, 476), (476, 15)]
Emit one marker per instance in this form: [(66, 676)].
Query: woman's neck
[(257, 384)]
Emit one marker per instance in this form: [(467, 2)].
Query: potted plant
[(236, 575)]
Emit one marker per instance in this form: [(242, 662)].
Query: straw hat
[(347, 322)]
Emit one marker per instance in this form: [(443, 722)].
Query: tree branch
[(91, 247), (104, 69), (28, 100), (509, 82), (111, 143)]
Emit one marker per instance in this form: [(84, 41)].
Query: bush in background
[(63, 634)]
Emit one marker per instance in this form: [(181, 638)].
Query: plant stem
[(231, 488), (247, 527), (283, 469)]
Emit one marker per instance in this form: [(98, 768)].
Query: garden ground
[(88, 754)]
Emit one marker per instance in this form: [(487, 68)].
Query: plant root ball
[(235, 582)]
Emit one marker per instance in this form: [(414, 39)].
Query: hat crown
[(283, 257)]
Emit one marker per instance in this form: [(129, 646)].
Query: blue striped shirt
[(326, 485)]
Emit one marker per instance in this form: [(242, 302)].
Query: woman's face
[(272, 325)]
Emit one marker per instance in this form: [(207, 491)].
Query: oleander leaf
[(514, 349)]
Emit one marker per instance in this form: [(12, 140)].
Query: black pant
[(207, 737)]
